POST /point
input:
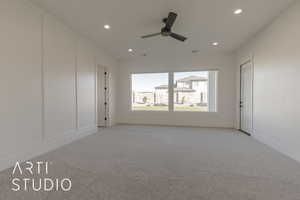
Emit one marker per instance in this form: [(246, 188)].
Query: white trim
[(107, 93), (97, 93), (76, 83), (274, 144), (68, 133), (83, 130), (172, 125), (43, 118), (246, 59), (130, 91), (96, 90), (171, 90), (252, 91), (175, 71), (45, 147)]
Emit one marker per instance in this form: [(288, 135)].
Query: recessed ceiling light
[(238, 11), (107, 26), (215, 43), (130, 50)]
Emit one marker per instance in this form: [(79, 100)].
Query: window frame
[(171, 90), (131, 106)]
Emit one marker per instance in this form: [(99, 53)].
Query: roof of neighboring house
[(193, 78), (175, 89), (144, 92), (162, 87), (184, 90)]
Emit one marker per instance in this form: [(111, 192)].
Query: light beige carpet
[(165, 163)]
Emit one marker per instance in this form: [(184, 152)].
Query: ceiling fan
[(167, 30)]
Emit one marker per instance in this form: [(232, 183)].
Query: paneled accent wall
[(47, 82), (59, 65), (20, 78), (86, 85)]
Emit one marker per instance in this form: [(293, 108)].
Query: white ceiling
[(202, 21)]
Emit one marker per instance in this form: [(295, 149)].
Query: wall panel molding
[(43, 78)]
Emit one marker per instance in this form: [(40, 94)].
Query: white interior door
[(246, 97), (102, 96)]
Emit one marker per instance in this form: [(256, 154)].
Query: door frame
[(240, 97), (103, 101)]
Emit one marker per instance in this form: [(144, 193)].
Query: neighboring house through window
[(193, 91), (145, 97)]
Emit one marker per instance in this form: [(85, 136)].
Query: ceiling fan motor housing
[(165, 31)]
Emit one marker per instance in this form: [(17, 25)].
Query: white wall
[(225, 117), (47, 82), (86, 85), (276, 82), (59, 65)]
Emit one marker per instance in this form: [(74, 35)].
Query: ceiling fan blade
[(178, 37), (150, 35), (170, 20)]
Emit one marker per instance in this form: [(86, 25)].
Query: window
[(150, 92), (194, 91)]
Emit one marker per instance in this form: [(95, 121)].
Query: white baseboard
[(170, 125), (49, 144), (273, 143), (87, 129)]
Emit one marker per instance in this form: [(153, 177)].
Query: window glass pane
[(195, 91), (150, 91)]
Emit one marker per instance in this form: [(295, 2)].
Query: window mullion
[(171, 91)]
